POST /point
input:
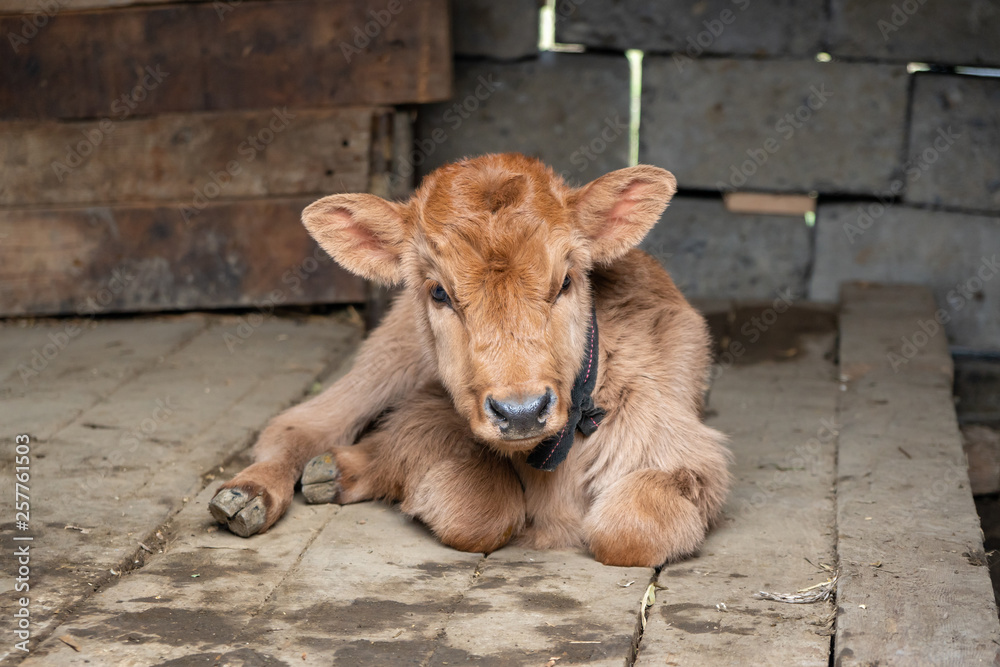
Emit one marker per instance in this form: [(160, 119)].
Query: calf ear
[(616, 210), (364, 233)]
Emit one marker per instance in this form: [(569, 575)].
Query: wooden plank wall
[(158, 157), (251, 55)]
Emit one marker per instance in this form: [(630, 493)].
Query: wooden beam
[(144, 258), (226, 56), (52, 7), (761, 203), (186, 157), (914, 587)]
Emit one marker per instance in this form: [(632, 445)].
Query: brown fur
[(500, 233)]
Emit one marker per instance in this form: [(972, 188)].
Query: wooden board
[(227, 56), (102, 260), (769, 204), (116, 471), (196, 594), (914, 586), (186, 157), (982, 448), (528, 607), (780, 419), (362, 585), (376, 588), (63, 368), (32, 7)]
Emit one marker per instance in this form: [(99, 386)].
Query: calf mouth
[(514, 443)]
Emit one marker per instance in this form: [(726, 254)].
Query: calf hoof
[(321, 480), (241, 513)]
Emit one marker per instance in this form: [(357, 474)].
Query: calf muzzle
[(520, 416)]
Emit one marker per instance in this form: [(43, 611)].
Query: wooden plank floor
[(913, 585), (135, 422), (126, 421), (778, 525)]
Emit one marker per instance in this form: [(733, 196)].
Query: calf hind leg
[(423, 455), (343, 475), (474, 504)]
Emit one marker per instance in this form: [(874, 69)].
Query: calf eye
[(439, 295), (565, 285)]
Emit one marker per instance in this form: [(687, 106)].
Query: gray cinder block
[(570, 110), (501, 30), (954, 147), (962, 32), (954, 254), (712, 253), (792, 126), (741, 27)]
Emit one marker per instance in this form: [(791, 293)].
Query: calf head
[(496, 252)]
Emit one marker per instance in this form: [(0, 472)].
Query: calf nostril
[(545, 404), (495, 411)]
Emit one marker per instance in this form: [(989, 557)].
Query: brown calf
[(521, 295)]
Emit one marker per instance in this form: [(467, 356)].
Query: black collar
[(583, 414)]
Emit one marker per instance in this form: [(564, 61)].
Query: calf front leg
[(651, 516), (389, 365), (423, 455), (646, 518)]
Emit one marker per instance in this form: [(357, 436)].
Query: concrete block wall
[(904, 163), (774, 125), (571, 110)]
